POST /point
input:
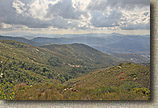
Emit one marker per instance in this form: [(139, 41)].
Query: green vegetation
[(37, 64), (80, 55), (124, 73), (7, 91), (112, 83), (68, 72)]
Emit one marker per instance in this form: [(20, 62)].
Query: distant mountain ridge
[(47, 41), (114, 44), (19, 39), (110, 44)]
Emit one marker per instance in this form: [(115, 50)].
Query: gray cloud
[(8, 15), (27, 1), (124, 4), (5, 8), (146, 13), (103, 20), (1, 26), (26, 21), (61, 23), (63, 15), (137, 27), (65, 9)]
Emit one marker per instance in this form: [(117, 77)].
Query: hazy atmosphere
[(34, 17)]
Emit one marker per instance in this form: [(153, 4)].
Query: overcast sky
[(74, 16)]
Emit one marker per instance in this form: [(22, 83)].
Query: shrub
[(143, 91), (134, 75), (7, 91), (129, 85), (107, 89)]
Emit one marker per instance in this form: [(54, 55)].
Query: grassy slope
[(83, 53), (31, 65), (61, 63), (114, 76), (22, 62), (106, 84)]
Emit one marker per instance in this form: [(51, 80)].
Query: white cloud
[(19, 6), (135, 20), (123, 14), (75, 14), (5, 26), (81, 4), (39, 8), (118, 4), (65, 9)]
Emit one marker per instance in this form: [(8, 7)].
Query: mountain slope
[(21, 62), (139, 45), (108, 44), (125, 81), (46, 41), (115, 76), (20, 39), (112, 43), (132, 44), (132, 58), (63, 63), (81, 54)]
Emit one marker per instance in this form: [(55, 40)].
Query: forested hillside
[(125, 81), (67, 72), (61, 63)]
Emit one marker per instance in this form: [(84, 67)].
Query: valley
[(131, 48), (60, 70)]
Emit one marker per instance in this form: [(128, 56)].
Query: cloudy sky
[(74, 16)]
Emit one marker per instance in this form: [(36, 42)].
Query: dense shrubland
[(65, 73)]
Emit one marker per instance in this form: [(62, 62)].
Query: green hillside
[(63, 63), (20, 62), (115, 76), (68, 72), (126, 81), (83, 55)]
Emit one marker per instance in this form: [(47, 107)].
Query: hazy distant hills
[(112, 44), (130, 48), (46, 41), (20, 39), (131, 44)]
